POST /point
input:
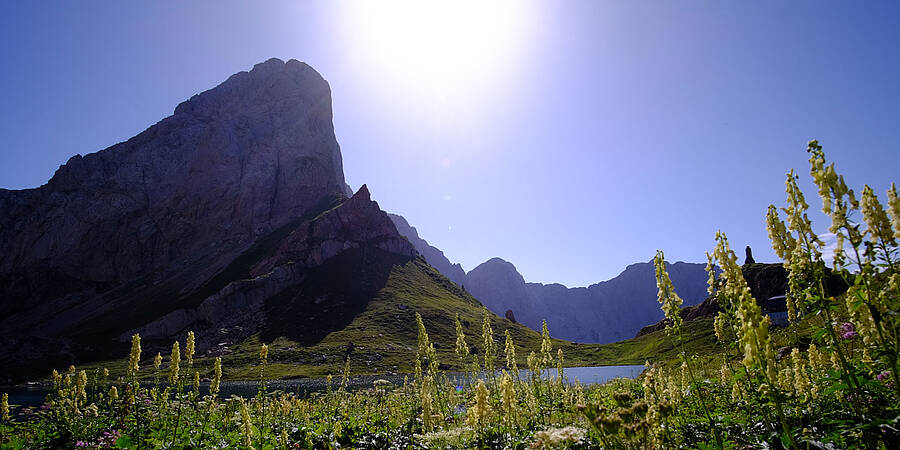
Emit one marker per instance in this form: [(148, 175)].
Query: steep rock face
[(608, 311), (434, 256), (239, 309), (231, 164), (228, 200)]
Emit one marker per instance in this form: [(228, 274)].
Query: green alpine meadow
[(827, 378)]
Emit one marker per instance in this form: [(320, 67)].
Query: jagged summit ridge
[(434, 256), (240, 306)]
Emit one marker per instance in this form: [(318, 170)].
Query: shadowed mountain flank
[(230, 217)]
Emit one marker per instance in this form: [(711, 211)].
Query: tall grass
[(833, 382)]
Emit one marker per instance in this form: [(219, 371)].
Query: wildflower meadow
[(829, 379)]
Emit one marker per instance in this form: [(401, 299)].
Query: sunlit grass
[(828, 380)]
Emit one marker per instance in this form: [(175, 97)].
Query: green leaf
[(124, 442), (819, 334)]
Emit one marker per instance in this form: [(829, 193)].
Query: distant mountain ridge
[(603, 312), (433, 255)]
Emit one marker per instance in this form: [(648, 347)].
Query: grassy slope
[(385, 336)]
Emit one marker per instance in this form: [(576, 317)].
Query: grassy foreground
[(829, 380)]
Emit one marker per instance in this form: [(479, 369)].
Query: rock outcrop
[(768, 284), (239, 309), (748, 258)]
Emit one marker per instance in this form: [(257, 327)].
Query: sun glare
[(438, 42)]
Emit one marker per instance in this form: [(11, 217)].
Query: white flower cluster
[(557, 437)]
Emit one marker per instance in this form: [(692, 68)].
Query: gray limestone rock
[(231, 164)]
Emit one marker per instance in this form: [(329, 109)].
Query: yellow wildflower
[(533, 364), (782, 241), (894, 210), (559, 365), (876, 218), (345, 377), (174, 364), (801, 378), (246, 425), (81, 384), (462, 349), (546, 346), (427, 403), (480, 411), (671, 302), (189, 349), (719, 327), (135, 356), (711, 271), (508, 398), (487, 333), (217, 377), (816, 361), (861, 318), (753, 333), (511, 363)]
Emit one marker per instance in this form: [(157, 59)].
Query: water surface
[(25, 396)]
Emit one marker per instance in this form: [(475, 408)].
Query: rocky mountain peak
[(496, 264), (231, 164), (147, 225), (362, 194), (269, 83)]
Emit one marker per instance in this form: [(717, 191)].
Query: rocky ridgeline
[(240, 307), (604, 312), (434, 256)]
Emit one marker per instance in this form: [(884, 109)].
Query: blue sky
[(592, 135)]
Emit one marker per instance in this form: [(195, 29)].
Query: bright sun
[(442, 43)]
